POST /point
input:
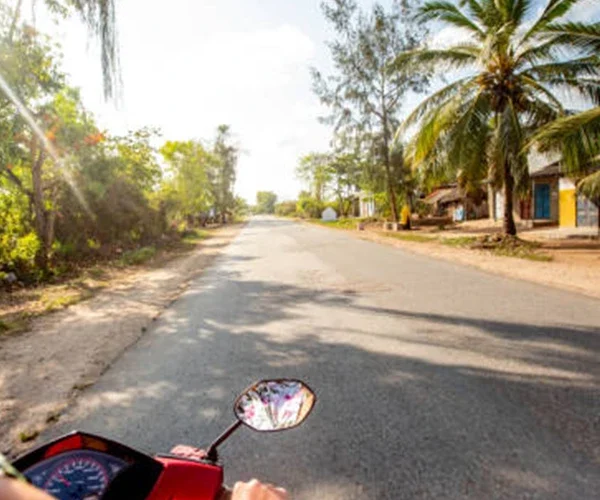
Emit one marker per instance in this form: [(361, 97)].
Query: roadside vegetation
[(74, 196), (509, 85)]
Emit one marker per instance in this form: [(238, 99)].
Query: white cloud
[(196, 65), (448, 36), (586, 10)]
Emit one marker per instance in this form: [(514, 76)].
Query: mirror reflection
[(274, 405)]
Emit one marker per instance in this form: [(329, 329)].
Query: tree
[(364, 95), (265, 202), (313, 169), (30, 71), (345, 172), (222, 174), (479, 123), (308, 206), (187, 193), (285, 208)]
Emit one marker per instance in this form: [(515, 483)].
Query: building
[(553, 199), (366, 204), (556, 199), (452, 201)]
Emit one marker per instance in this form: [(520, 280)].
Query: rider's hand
[(255, 490), (11, 489)]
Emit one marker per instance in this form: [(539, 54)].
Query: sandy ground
[(575, 265), (43, 370)]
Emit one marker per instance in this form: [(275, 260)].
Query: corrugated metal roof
[(552, 170)]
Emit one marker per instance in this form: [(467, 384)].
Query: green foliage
[(194, 236), (242, 209), (223, 172), (70, 192), (285, 209), (265, 202), (138, 256), (186, 193), (309, 207)]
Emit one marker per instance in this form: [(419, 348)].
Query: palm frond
[(537, 87), (436, 99), (449, 13), (573, 68), (582, 36), (99, 16), (577, 136), (453, 58), (476, 10), (555, 9), (590, 186)]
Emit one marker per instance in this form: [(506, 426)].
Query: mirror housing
[(274, 405)]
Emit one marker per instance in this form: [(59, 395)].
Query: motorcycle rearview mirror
[(274, 405), (269, 406)]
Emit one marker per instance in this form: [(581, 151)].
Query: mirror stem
[(211, 453)]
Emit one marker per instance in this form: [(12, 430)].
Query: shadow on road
[(424, 415)]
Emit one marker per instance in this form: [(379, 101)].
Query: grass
[(408, 236), (15, 324), (338, 224), (523, 253), (458, 241), (195, 236), (55, 302), (137, 257)]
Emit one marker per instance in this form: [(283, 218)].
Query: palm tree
[(477, 125), (577, 137), (99, 17)]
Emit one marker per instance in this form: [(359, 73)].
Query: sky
[(190, 65)]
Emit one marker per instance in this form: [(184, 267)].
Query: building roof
[(436, 195), (552, 170), (453, 194)]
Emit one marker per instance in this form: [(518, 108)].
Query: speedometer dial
[(77, 478)]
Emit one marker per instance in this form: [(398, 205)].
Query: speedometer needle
[(64, 481)]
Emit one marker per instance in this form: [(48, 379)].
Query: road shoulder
[(43, 370), (565, 275)]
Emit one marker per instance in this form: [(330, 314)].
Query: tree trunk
[(388, 172), (42, 228), (509, 226), (15, 20)]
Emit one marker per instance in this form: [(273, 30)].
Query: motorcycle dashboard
[(82, 466)]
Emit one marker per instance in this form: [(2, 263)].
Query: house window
[(587, 212)]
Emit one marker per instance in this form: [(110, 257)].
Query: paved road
[(434, 380)]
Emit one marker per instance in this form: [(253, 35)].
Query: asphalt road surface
[(434, 380)]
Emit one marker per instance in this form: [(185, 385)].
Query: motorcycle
[(82, 466)]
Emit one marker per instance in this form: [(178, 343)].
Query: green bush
[(309, 208), (285, 209), (139, 256), (423, 209)]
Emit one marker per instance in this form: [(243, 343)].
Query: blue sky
[(190, 65)]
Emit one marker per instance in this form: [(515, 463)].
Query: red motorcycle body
[(186, 479), (114, 471)]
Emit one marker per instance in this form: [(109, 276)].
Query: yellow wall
[(567, 205)]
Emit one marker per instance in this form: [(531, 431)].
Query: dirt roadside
[(44, 369), (568, 270)]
